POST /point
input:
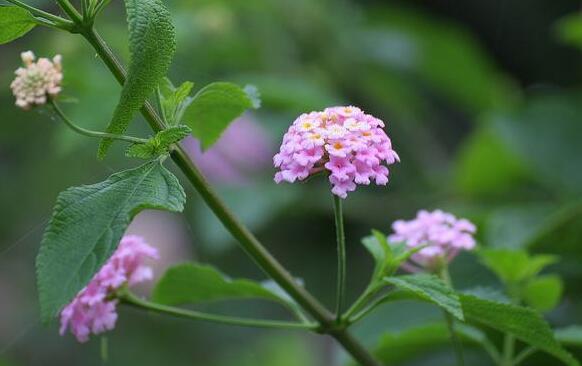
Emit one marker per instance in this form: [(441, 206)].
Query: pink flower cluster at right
[(348, 143), (442, 234), (92, 311)]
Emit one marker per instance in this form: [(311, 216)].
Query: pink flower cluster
[(37, 81), (442, 234), (348, 143), (93, 310)]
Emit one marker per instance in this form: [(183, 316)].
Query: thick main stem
[(247, 240), (341, 256)]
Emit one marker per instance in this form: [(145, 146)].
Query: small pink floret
[(349, 144), (92, 311)]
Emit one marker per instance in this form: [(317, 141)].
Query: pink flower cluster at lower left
[(93, 310)]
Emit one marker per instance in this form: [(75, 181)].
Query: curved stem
[(341, 256), (245, 238), (130, 299), (90, 133)]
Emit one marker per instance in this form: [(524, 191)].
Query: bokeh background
[(483, 104)]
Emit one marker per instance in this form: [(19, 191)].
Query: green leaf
[(159, 144), (513, 266), (477, 174), (213, 108), (192, 283), (152, 44), (394, 348), (378, 247), (89, 221), (430, 288), (543, 293), (569, 29), (525, 324), (174, 100), (570, 335), (14, 23)]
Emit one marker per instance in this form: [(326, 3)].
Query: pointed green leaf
[(543, 293), (174, 100), (525, 324), (14, 23), (152, 44), (191, 283), (429, 288), (569, 336), (213, 108), (88, 223), (512, 266), (395, 348), (380, 251)]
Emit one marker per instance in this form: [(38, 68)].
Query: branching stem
[(130, 299), (246, 239)]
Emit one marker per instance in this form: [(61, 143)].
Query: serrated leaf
[(152, 42), (394, 348), (543, 293), (159, 144), (89, 221), (570, 335), (14, 23), (512, 266), (213, 108), (171, 135), (430, 288), (192, 283), (145, 151), (525, 324)]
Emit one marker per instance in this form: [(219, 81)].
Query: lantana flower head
[(37, 80), (344, 141), (93, 310), (441, 235)]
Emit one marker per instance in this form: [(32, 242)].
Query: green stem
[(524, 354), (70, 10), (43, 14), (245, 238), (508, 350), (90, 133), (368, 309), (130, 299), (445, 276), (341, 256)]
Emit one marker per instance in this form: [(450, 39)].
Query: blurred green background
[(483, 104)]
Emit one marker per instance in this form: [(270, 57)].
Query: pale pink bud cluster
[(351, 145), (93, 310), (441, 234), (37, 81)]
